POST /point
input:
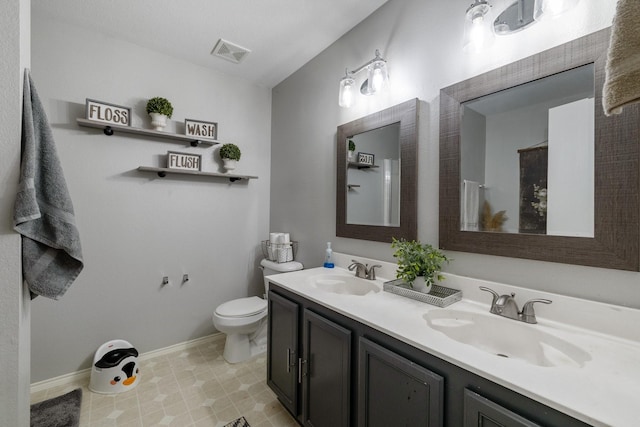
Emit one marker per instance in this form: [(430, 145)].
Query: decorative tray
[(439, 295)]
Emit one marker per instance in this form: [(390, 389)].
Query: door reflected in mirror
[(373, 177), (527, 157)]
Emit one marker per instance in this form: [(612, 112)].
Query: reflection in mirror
[(376, 190), (565, 236), (527, 157), (373, 188)]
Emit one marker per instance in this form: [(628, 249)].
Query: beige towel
[(622, 77)]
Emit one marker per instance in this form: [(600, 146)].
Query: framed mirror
[(376, 175), (530, 167)]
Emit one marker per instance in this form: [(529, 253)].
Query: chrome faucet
[(363, 271), (506, 306)]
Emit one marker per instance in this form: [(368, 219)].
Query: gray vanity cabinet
[(482, 412), (393, 391), (282, 350), (356, 375), (326, 372), (309, 364)]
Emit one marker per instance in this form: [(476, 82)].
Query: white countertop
[(604, 391)]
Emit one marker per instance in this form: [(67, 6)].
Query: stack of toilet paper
[(280, 248)]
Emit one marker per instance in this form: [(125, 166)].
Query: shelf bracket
[(162, 174), (233, 179), (195, 142), (108, 130)]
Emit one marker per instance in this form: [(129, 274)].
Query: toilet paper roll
[(285, 238), (274, 237), (285, 254)]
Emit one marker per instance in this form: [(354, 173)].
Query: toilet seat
[(242, 307)]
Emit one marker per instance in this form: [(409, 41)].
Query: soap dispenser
[(328, 257)]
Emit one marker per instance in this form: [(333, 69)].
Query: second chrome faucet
[(363, 271), (506, 306)]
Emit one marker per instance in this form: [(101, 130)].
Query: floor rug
[(240, 422), (61, 411)]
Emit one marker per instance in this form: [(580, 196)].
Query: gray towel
[(43, 213), (622, 74)]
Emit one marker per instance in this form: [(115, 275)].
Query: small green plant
[(160, 105), (230, 151), (352, 145), (416, 259)]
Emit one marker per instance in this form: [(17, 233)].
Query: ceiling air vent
[(229, 51)]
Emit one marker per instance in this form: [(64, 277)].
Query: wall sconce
[(377, 80), (479, 29)]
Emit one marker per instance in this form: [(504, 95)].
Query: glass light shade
[(347, 88), (556, 7), (377, 77), (478, 29)]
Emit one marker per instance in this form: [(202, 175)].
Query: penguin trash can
[(115, 368)]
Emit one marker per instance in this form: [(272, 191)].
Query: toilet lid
[(242, 307)]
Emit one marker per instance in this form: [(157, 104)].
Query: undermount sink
[(344, 284), (506, 338)]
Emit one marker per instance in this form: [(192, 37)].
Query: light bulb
[(377, 79), (345, 97)]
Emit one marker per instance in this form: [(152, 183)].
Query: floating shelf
[(162, 172), (361, 165), (110, 129)]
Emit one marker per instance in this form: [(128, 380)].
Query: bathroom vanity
[(340, 357)]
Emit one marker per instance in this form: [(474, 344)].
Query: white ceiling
[(282, 35)]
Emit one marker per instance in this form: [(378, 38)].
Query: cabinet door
[(282, 350), (326, 372), (393, 391), (482, 412)]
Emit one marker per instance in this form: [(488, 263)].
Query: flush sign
[(108, 113), (184, 161), (200, 129)]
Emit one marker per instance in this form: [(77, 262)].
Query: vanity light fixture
[(377, 80), (479, 30)]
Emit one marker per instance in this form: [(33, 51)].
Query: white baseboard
[(84, 374)]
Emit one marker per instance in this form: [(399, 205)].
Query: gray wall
[(422, 42), (136, 228), (14, 301)]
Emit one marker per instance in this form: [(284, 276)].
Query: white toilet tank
[(271, 267)]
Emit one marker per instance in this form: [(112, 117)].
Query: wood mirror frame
[(406, 114), (616, 234)]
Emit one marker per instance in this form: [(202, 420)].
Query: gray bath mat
[(61, 411), (240, 422)]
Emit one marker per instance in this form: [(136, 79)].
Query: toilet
[(244, 320)]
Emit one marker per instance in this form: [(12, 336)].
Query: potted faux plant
[(352, 149), (418, 265), (230, 154), (160, 109)]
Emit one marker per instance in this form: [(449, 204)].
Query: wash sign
[(108, 113), (200, 129)]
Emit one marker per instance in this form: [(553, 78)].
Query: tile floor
[(189, 388)]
